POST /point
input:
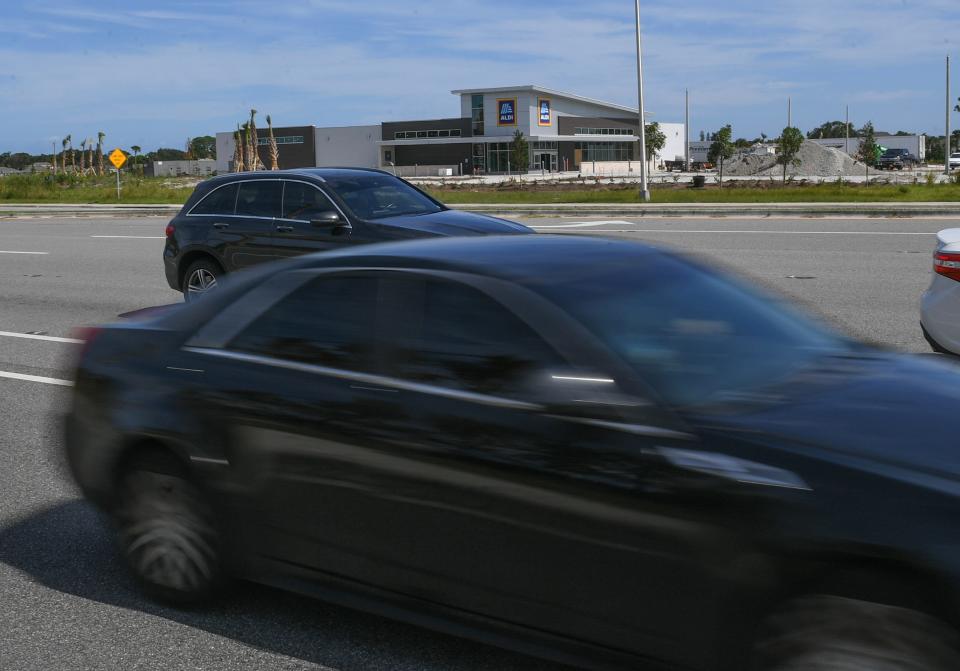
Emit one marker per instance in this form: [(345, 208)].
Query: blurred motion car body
[(590, 450), (239, 220)]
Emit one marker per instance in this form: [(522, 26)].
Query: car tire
[(828, 633), (201, 277), (168, 533)]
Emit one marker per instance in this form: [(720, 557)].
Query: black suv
[(897, 159), (239, 220)]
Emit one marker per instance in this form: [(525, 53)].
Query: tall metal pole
[(686, 134), (644, 190), (946, 140), (846, 133)]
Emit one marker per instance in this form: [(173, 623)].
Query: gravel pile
[(813, 160)]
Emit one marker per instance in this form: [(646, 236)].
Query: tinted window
[(302, 201), (454, 336), (375, 196), (219, 201), (696, 337), (260, 199), (327, 322)]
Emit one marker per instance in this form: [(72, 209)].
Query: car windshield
[(697, 338), (377, 196)]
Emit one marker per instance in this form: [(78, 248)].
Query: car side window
[(455, 336), (304, 202), (219, 201), (329, 321), (260, 198)]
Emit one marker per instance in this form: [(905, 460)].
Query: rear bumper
[(940, 314), (171, 268)]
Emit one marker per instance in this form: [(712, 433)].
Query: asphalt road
[(66, 602)]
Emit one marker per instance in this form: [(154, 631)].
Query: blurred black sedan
[(590, 450), (239, 220)]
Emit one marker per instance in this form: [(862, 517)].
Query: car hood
[(898, 410), (453, 222)]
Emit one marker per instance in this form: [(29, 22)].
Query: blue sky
[(153, 73)]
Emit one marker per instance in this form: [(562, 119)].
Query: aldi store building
[(563, 131)]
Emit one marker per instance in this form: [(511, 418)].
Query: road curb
[(564, 210)]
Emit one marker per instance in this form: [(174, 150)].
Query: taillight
[(947, 264), (170, 230), (87, 334)]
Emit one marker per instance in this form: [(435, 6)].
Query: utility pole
[(644, 190), (686, 135), (846, 133), (946, 140)]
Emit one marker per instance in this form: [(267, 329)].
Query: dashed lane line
[(36, 378)]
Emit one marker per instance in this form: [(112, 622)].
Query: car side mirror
[(326, 219), (334, 221)]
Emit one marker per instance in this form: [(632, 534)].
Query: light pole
[(946, 140), (644, 191)]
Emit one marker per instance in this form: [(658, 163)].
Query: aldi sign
[(507, 112), (544, 118)]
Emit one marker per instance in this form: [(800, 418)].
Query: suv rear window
[(219, 201)]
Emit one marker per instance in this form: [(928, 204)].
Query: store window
[(477, 114)]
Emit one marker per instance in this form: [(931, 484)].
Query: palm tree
[(237, 151), (83, 156), (53, 157), (136, 154), (100, 136), (247, 154), (63, 153), (257, 164), (92, 170), (274, 152)]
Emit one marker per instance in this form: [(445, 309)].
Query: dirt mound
[(813, 160)]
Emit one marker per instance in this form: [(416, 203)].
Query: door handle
[(221, 225), (284, 229)]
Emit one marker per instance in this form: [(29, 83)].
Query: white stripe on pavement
[(36, 378), (588, 224), (4, 252), (31, 336), (131, 237), (762, 232)]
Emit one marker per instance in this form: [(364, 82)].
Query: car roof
[(511, 257), (320, 173)]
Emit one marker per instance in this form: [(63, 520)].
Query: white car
[(955, 160), (940, 307)]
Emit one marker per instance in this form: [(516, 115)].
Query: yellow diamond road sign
[(118, 158)]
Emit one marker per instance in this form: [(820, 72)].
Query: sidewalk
[(580, 210)]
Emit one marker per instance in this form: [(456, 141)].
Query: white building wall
[(348, 147), (226, 146)]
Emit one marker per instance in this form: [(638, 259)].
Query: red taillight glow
[(947, 264), (170, 230), (87, 334)]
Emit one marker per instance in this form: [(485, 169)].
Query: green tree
[(519, 152), (204, 146), (790, 142), (869, 149), (721, 149), (832, 129), (655, 139)]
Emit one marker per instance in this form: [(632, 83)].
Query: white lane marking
[(589, 224), (4, 252), (761, 232), (36, 378), (131, 237), (31, 336)]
